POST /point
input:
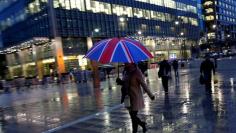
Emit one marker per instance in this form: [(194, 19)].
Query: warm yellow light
[(45, 61)]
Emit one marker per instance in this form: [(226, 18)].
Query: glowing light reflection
[(185, 109)]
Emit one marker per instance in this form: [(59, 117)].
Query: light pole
[(177, 24), (94, 64), (122, 24)]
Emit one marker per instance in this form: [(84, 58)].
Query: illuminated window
[(208, 3), (192, 9), (122, 10), (211, 17), (141, 13), (211, 35), (155, 2), (209, 10), (67, 4), (34, 7), (193, 21), (158, 28), (98, 7), (181, 6), (170, 4), (77, 4), (184, 19), (168, 17)]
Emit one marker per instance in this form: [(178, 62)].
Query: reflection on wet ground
[(84, 109)]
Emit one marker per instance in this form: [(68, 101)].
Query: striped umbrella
[(123, 50)]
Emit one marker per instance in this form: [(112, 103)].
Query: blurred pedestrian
[(143, 66), (175, 65), (215, 62), (206, 69), (164, 74), (132, 81)]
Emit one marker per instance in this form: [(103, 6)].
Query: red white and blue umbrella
[(123, 50)]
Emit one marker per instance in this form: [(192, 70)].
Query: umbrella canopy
[(123, 50)]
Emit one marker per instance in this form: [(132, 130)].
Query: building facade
[(220, 20), (56, 34)]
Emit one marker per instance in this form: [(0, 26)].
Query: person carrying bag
[(133, 81)]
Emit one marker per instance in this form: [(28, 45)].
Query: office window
[(192, 9), (98, 7), (181, 6), (141, 13), (184, 19), (122, 10), (77, 4), (34, 7), (69, 4), (168, 17), (193, 21), (210, 17), (170, 4), (158, 28), (157, 2)]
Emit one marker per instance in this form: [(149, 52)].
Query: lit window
[(98, 7), (122, 10)]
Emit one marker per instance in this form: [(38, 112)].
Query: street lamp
[(122, 19), (214, 26), (176, 22), (139, 32), (96, 30)]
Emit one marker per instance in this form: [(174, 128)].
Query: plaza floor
[(69, 108)]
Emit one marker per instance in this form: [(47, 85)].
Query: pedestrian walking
[(175, 65), (206, 69), (164, 74), (132, 81), (215, 62), (143, 66)]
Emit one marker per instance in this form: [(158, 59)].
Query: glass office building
[(49, 34), (220, 20)]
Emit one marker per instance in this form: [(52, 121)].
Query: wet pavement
[(69, 108)]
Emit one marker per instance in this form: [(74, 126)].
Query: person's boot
[(143, 125)]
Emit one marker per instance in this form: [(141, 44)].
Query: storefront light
[(48, 61)]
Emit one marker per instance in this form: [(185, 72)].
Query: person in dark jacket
[(143, 66), (124, 90), (175, 65), (206, 69), (215, 62), (164, 73)]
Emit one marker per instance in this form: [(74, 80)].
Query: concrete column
[(37, 56), (22, 57), (58, 54), (10, 59), (94, 66)]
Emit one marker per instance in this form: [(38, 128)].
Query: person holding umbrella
[(130, 52), (132, 82)]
